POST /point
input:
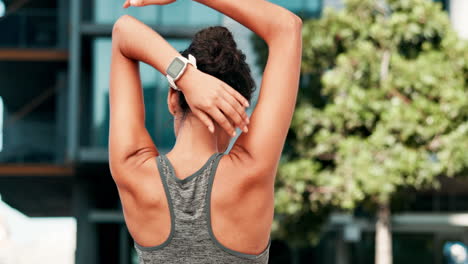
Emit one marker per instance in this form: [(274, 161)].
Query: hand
[(208, 97), (146, 2)]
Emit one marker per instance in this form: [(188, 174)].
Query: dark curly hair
[(216, 53)]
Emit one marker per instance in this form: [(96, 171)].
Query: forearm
[(137, 41), (267, 20)]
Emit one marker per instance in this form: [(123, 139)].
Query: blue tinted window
[(313, 6), (189, 13), (2, 10), (203, 15), (292, 4), (176, 13), (107, 11), (306, 8)]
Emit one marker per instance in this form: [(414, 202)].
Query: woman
[(196, 204)]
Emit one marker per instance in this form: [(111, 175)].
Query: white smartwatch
[(177, 68)]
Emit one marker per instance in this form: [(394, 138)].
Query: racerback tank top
[(191, 239)]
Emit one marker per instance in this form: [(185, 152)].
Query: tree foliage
[(384, 107)]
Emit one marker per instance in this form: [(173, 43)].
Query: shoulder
[(134, 172), (246, 167)]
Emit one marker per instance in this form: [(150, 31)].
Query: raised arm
[(129, 140), (271, 119)]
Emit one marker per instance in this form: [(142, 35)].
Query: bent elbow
[(294, 24), (297, 22), (295, 30), (289, 26), (120, 24)]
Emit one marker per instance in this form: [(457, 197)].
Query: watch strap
[(172, 83), (191, 60)]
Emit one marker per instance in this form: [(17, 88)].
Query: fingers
[(240, 110), (239, 106), (205, 119), (233, 114), (219, 117), (147, 2), (236, 95), (136, 3)]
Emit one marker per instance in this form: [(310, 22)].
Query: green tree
[(383, 107)]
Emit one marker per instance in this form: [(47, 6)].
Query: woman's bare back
[(241, 207)]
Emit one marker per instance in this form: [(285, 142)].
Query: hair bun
[(217, 55), (216, 51)]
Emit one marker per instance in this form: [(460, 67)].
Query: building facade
[(54, 114)]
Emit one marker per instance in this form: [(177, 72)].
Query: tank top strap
[(214, 168)]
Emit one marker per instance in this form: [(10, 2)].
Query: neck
[(194, 140)]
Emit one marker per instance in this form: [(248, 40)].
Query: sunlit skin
[(242, 198)]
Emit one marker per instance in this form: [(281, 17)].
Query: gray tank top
[(191, 239)]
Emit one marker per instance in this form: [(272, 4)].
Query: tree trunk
[(383, 235)]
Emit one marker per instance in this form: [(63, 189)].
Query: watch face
[(175, 67)]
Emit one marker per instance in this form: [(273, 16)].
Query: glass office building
[(54, 114)]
